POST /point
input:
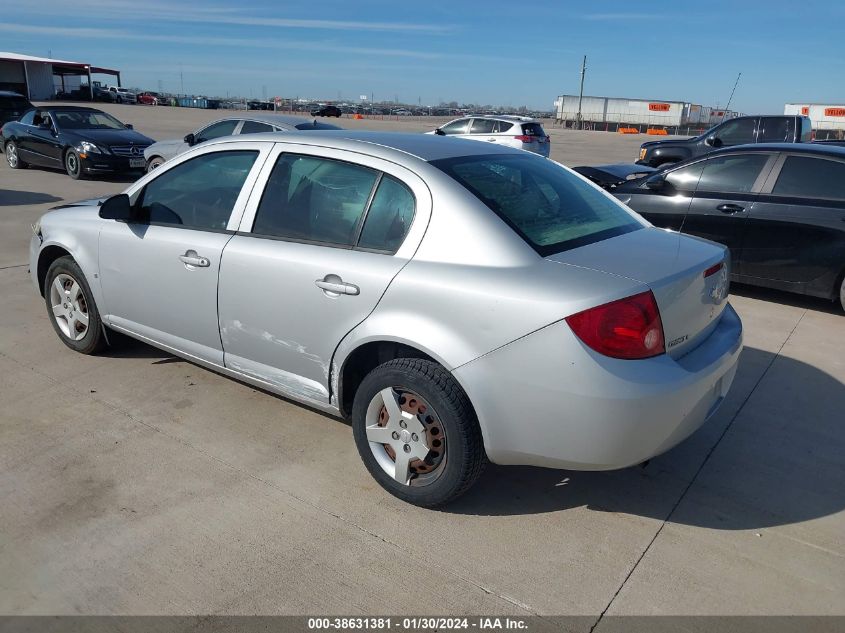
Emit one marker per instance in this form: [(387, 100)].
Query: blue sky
[(512, 53)]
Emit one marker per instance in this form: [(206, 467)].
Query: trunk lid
[(673, 266)]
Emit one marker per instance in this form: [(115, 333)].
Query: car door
[(723, 198), (319, 244), (40, 140), (736, 132), (159, 272), (796, 228), (482, 130), (667, 207)]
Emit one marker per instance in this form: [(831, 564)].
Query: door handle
[(190, 258), (730, 208), (333, 285)]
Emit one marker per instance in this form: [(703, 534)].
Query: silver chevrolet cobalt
[(456, 302)]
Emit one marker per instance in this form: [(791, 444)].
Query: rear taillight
[(713, 270), (524, 138), (629, 328)]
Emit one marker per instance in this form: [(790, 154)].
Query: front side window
[(315, 200), (733, 173), (456, 127), (216, 130), (807, 177), (546, 205), (685, 178), (197, 194), (776, 129), (482, 126), (737, 132), (389, 217)]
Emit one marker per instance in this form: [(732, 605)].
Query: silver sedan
[(457, 302), (243, 123)]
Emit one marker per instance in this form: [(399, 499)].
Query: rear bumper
[(547, 400)]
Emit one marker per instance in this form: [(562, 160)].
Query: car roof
[(10, 93), (801, 148), (510, 118), (270, 118), (388, 145), (66, 108)]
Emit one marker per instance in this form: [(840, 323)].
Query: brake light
[(713, 270), (629, 328), (524, 138)]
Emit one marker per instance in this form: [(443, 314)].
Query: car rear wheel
[(73, 165), (154, 163), (71, 307), (13, 157), (417, 433)]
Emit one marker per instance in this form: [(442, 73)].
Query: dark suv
[(739, 131), (12, 106)]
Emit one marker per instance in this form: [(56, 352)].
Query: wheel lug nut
[(407, 448), (394, 435), (414, 437), (403, 424)]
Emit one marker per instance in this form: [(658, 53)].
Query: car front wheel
[(154, 163), (73, 165), (71, 307), (417, 433)]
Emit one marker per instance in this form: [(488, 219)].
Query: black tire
[(465, 457), (842, 293), (73, 165), (13, 156), (94, 340)]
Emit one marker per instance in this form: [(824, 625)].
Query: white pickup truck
[(122, 95)]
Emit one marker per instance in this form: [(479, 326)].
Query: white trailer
[(640, 112), (828, 118)]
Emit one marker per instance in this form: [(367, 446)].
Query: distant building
[(41, 78)]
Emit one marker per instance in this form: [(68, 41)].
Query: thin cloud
[(210, 14)]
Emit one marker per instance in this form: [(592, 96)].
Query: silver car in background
[(519, 132), (244, 123), (457, 302)]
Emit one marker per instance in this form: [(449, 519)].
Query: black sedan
[(328, 110), (780, 208), (82, 141)]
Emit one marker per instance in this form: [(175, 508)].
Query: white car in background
[(123, 95), (520, 132)]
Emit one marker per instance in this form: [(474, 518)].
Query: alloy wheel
[(72, 163), (12, 155), (70, 308), (406, 436)]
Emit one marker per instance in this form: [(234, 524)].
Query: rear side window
[(481, 126), (199, 193), (255, 127), (734, 174), (533, 129), (806, 177), (456, 127), (389, 217), (500, 127), (776, 129), (547, 206), (314, 200), (27, 119)]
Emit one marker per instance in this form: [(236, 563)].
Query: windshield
[(549, 207), (86, 120)]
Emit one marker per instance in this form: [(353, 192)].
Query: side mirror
[(657, 182), (129, 126), (190, 139), (116, 208), (439, 132), (713, 141)]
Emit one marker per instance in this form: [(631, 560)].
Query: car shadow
[(786, 298), (13, 198), (779, 463)]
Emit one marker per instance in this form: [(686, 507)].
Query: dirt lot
[(137, 483)]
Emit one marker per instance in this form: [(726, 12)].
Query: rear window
[(550, 208), (533, 129)]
